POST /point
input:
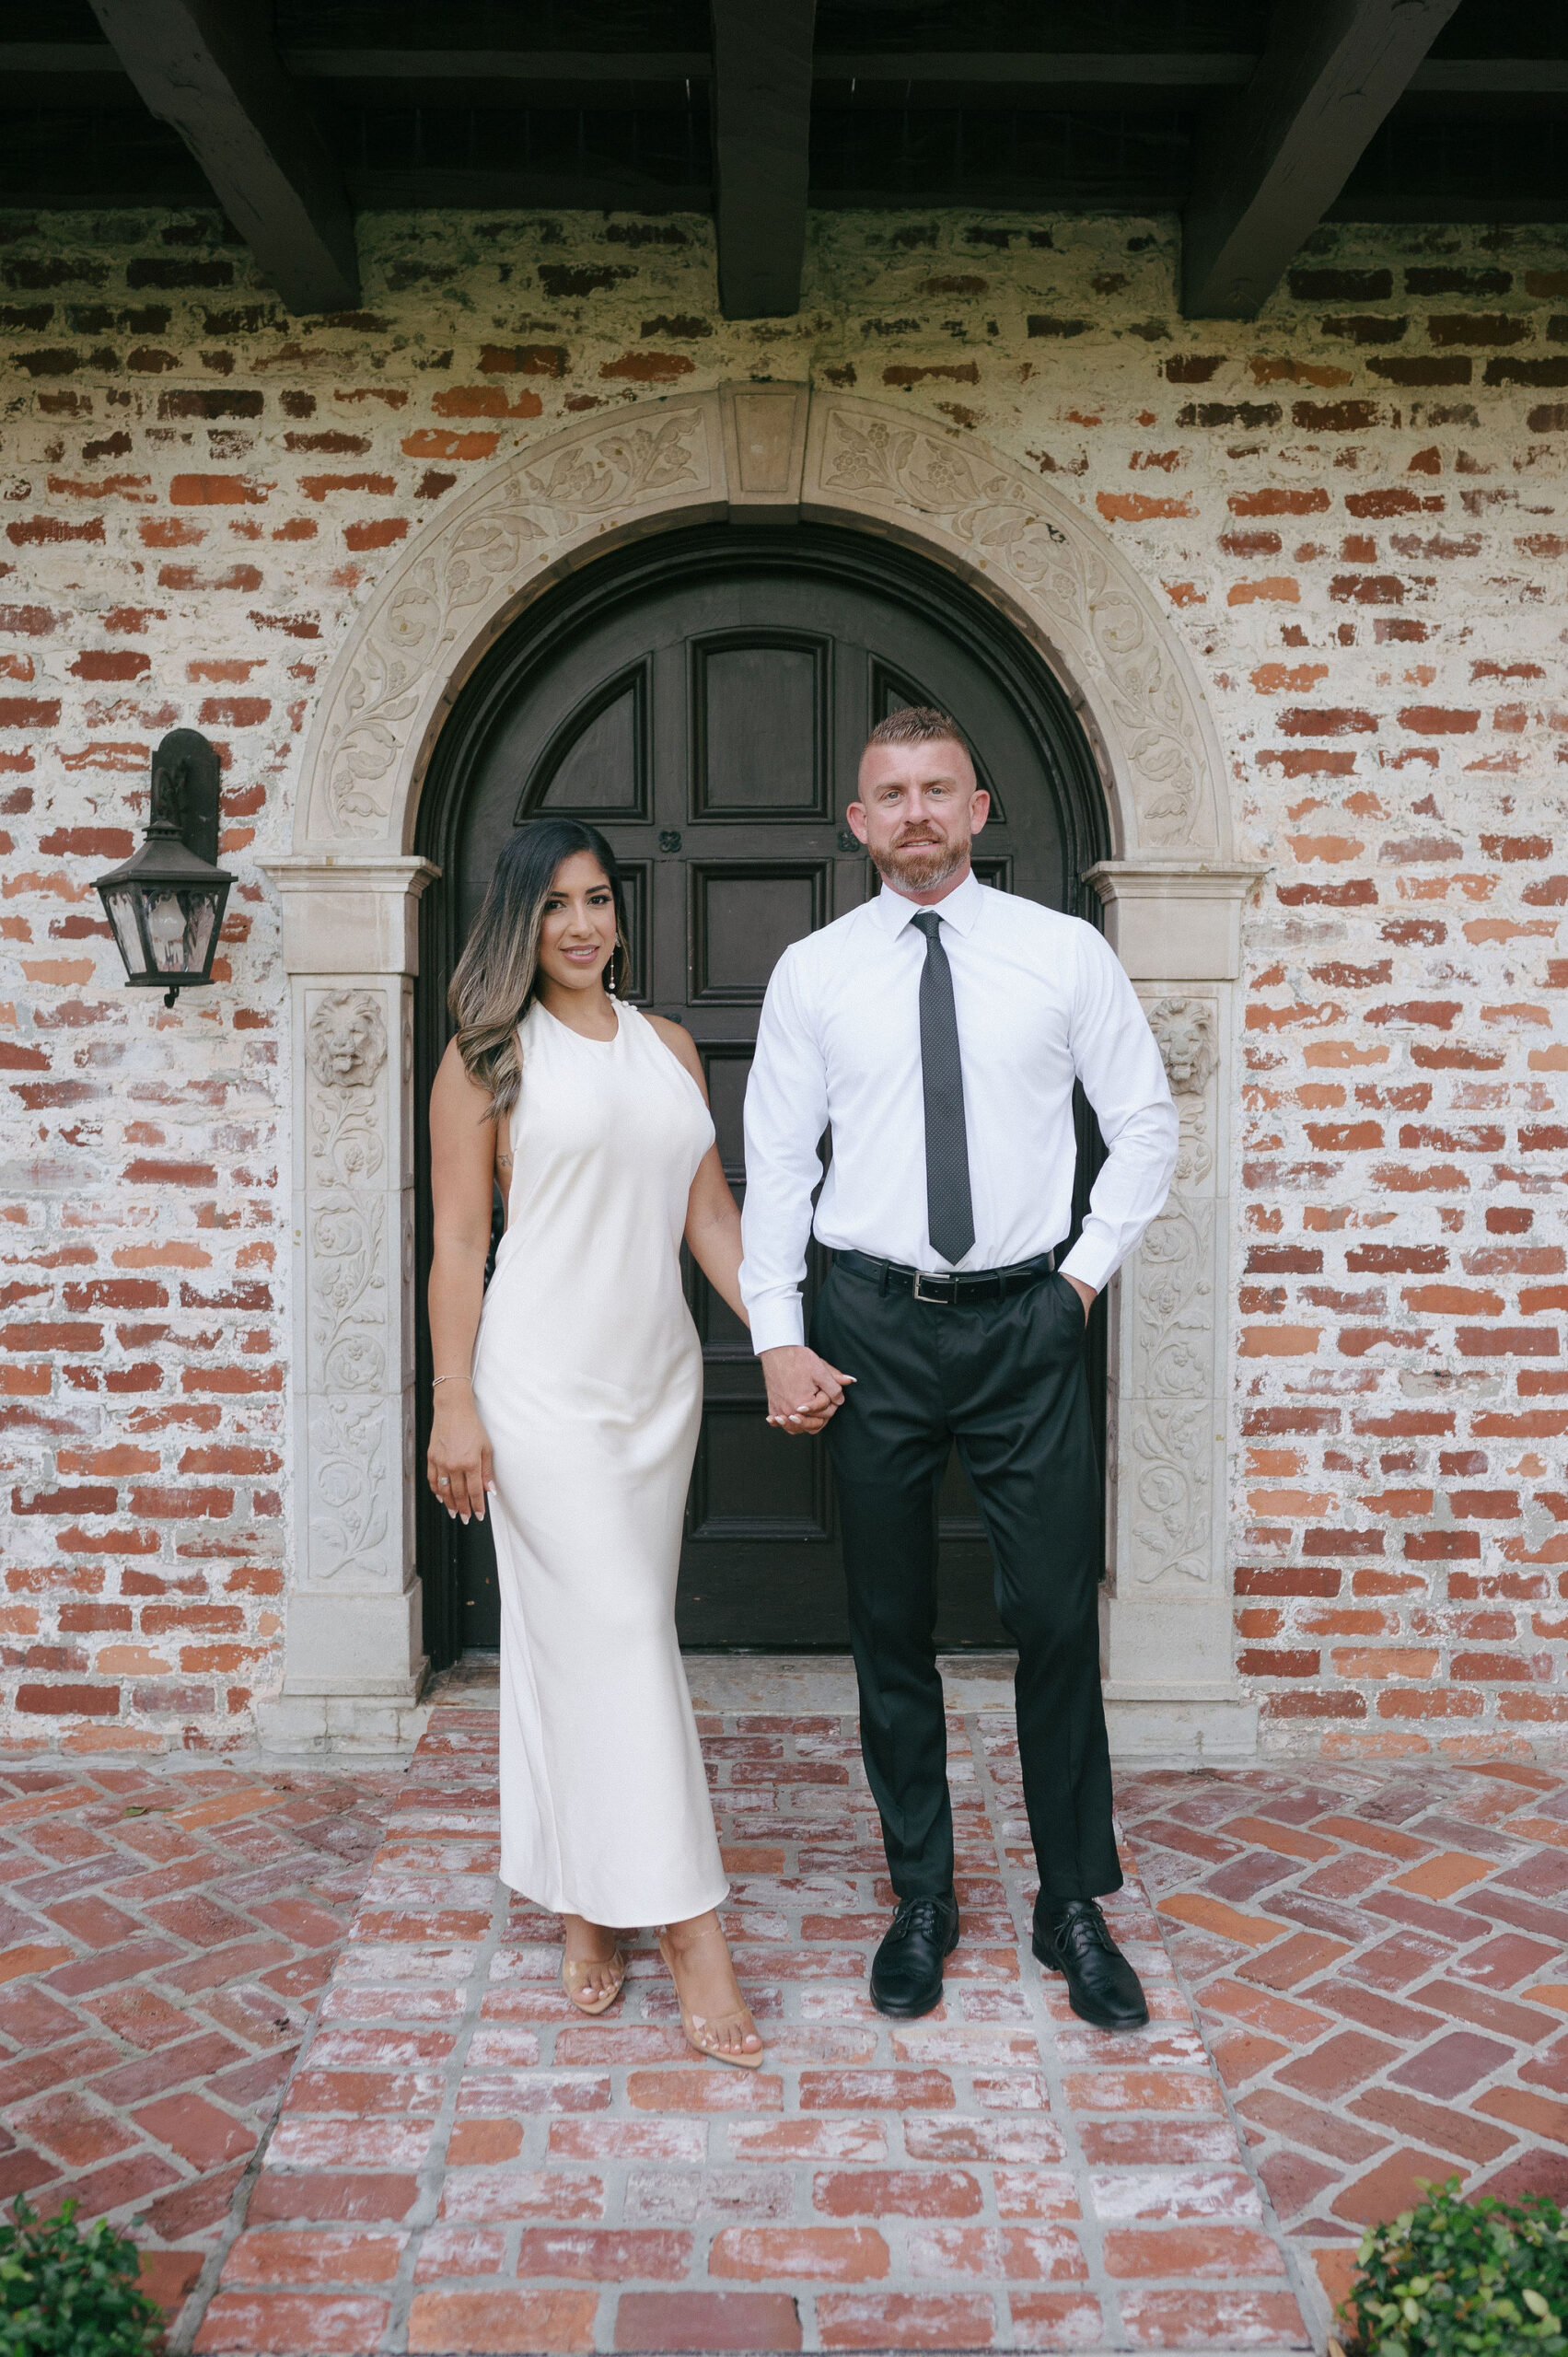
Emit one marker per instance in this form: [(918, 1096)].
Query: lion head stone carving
[(1184, 1030), (347, 1040)]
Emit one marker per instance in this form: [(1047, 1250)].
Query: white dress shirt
[(1040, 1001)]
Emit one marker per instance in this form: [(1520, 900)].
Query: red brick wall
[(1353, 508)]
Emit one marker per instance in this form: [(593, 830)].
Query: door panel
[(760, 726), (598, 766), (707, 709), (741, 1492), (744, 917)]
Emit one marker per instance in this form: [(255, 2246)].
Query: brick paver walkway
[(462, 2164), (1381, 1957), (1376, 1956), (164, 1936)]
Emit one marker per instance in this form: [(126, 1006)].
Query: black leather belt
[(953, 1288)]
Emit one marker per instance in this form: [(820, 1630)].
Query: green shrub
[(65, 2294), (1464, 2279)]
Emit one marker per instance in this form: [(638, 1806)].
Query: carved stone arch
[(1035, 554), (350, 888)]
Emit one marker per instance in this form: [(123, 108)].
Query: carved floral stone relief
[(668, 455), (621, 468), (1172, 1413), (349, 1486), (480, 561), (1173, 1490), (1168, 1416), (348, 1293), (1174, 1319), (1100, 619)]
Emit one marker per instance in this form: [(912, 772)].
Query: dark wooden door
[(707, 711)]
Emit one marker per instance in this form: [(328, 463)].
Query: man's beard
[(919, 867)]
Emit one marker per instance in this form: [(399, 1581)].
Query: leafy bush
[(1464, 2279), (65, 2294)]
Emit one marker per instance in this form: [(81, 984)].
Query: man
[(938, 1029)]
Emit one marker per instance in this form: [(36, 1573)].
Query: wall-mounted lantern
[(165, 904)]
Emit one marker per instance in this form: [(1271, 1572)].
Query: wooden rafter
[(762, 133), (208, 68), (982, 74), (1271, 160)]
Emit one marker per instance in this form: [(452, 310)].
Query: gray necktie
[(948, 1210)]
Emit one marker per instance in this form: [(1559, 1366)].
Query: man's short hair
[(918, 724)]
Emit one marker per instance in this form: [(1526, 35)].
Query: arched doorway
[(347, 903), (703, 696)]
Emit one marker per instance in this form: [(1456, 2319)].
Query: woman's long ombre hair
[(497, 975)]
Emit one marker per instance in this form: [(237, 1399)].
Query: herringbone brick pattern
[(1374, 1958), (1380, 1961), (166, 1935), (462, 2164)]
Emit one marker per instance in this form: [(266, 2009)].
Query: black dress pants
[(1004, 1380)]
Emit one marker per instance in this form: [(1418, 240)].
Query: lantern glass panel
[(121, 906), (200, 916), (179, 926), (166, 931)]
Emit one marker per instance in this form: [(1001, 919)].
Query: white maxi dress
[(588, 1376)]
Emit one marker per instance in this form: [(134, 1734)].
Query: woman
[(580, 1420)]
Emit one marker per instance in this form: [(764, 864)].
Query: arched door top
[(763, 450)]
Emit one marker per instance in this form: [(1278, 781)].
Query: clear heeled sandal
[(573, 1973), (698, 2031)]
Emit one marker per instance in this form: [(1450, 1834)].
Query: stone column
[(1171, 1688), (353, 1659)]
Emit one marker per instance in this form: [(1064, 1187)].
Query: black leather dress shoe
[(906, 1971), (1071, 1937)]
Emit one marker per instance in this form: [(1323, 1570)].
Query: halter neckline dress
[(588, 1374)]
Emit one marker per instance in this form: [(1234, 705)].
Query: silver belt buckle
[(942, 1300)]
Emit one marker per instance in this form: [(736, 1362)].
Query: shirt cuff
[(778, 1323), (1091, 1262)]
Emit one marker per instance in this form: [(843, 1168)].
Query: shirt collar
[(961, 909)]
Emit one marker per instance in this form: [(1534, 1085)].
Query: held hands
[(459, 1465), (803, 1389)]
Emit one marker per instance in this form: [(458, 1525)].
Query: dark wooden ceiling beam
[(1185, 69), (761, 98), (1272, 160), (1001, 71), (207, 68), (434, 66)]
